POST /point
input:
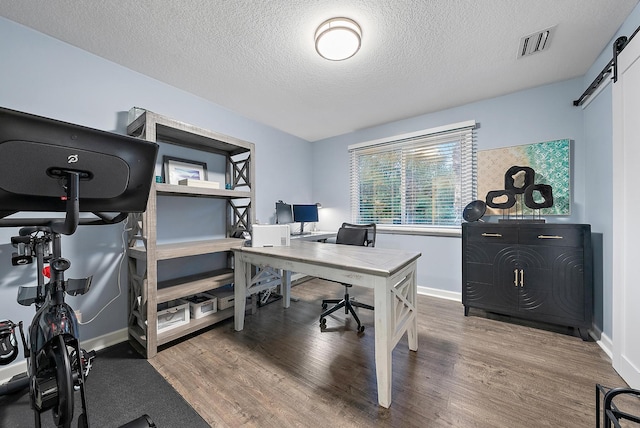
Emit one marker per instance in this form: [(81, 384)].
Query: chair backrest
[(349, 236), (357, 234)]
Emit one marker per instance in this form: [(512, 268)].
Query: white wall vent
[(536, 42)]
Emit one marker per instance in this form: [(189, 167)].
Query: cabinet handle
[(521, 277), (550, 237), (492, 235), (515, 277)]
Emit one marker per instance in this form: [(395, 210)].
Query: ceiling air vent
[(536, 42)]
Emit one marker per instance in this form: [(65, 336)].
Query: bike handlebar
[(101, 218), (68, 224)]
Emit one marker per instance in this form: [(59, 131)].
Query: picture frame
[(551, 161), (176, 169)]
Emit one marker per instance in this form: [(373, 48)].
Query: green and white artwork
[(551, 162)]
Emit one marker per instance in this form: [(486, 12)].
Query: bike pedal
[(87, 361)]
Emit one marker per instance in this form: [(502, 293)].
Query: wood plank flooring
[(282, 371)]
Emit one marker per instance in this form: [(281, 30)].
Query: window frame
[(468, 177)]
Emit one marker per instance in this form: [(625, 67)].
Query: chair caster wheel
[(361, 329), (323, 323), (324, 306)]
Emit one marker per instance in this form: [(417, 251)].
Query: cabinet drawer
[(555, 236), (492, 234)]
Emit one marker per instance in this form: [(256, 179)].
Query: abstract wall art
[(551, 161)]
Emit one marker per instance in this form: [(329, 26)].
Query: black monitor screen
[(305, 213), (283, 213)]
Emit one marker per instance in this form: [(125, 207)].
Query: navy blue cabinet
[(537, 271)]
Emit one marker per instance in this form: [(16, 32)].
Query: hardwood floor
[(282, 371)]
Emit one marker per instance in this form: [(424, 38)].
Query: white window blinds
[(423, 179)]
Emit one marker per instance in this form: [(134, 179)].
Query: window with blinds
[(423, 179)]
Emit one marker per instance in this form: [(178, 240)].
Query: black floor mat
[(121, 387)]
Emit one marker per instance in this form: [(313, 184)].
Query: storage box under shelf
[(202, 305), (172, 314), (225, 296)]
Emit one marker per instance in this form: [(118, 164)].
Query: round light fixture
[(338, 39)]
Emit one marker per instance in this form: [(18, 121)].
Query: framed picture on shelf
[(176, 169)]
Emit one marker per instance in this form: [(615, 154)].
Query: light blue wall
[(535, 115), (43, 76)]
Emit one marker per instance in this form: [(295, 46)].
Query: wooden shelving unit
[(145, 252)]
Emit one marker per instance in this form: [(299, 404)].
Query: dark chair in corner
[(350, 234)]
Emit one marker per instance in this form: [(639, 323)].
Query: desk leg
[(395, 312), (383, 299), (285, 281), (412, 329), (241, 281)]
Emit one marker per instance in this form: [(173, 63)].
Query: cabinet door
[(489, 264), (552, 283)]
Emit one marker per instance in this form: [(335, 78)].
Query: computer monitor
[(305, 213), (284, 215)]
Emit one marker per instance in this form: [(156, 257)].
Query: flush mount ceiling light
[(338, 39)]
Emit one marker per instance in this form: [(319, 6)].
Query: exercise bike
[(69, 169), (54, 356)]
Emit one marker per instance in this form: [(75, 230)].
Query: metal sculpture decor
[(520, 190)]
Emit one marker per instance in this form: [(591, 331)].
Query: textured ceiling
[(257, 57)]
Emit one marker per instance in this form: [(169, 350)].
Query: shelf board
[(183, 249), (175, 333), (140, 336), (186, 135), (192, 284), (194, 325), (202, 192), (136, 332)]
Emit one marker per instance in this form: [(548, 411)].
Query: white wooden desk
[(391, 274)]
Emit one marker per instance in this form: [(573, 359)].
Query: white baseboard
[(95, 344), (443, 294), (606, 344)]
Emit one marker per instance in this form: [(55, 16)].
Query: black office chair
[(350, 234)]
